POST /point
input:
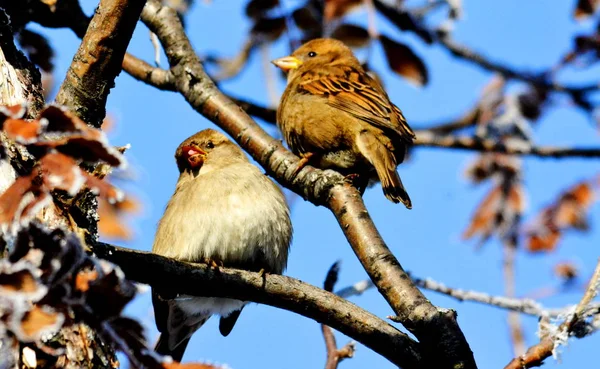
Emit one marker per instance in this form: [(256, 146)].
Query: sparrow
[(334, 115), (224, 212)]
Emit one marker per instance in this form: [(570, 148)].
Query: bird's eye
[(312, 54), (210, 145)]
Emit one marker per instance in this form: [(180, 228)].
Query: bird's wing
[(354, 92)]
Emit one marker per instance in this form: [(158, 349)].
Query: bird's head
[(320, 52), (206, 147)]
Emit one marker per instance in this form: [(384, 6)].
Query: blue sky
[(531, 35)]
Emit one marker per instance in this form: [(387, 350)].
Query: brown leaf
[(543, 242), (566, 270), (585, 8), (76, 138), (21, 130), (268, 29), (352, 35), (21, 202), (338, 8), (20, 281), (60, 172), (568, 212), (488, 164), (258, 8), (38, 49), (12, 111), (582, 194), (103, 189), (403, 61), (484, 217), (111, 224), (83, 279), (305, 19), (37, 322), (492, 213)]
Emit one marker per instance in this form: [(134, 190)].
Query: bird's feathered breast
[(235, 215)]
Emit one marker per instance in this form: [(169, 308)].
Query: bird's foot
[(213, 263), (302, 163), (352, 177), (357, 181)]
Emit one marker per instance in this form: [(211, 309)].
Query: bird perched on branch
[(224, 212), (334, 115)]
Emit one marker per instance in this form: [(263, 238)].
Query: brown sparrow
[(334, 115), (225, 212)]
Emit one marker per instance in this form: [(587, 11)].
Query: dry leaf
[(352, 35), (305, 19), (403, 61), (585, 8), (83, 279), (112, 223), (497, 212), (258, 8), (38, 49), (568, 212), (543, 242), (566, 271), (39, 321), (268, 29), (338, 8)]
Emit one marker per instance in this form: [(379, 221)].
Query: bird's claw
[(302, 163), (213, 264)]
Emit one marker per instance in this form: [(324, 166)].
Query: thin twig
[(547, 346), (508, 146), (521, 305), (334, 355), (513, 319), (405, 21)]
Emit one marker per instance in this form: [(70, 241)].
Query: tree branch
[(509, 146), (98, 61), (407, 22), (142, 71), (437, 330), (334, 355), (274, 290), (20, 81), (536, 354), (520, 305)]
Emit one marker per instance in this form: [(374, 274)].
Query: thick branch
[(443, 342), (509, 146), (274, 290), (20, 81), (98, 61)]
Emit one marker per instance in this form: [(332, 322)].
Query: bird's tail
[(174, 341), (385, 166), (162, 347)]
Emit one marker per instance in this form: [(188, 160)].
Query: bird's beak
[(287, 63), (194, 156)]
